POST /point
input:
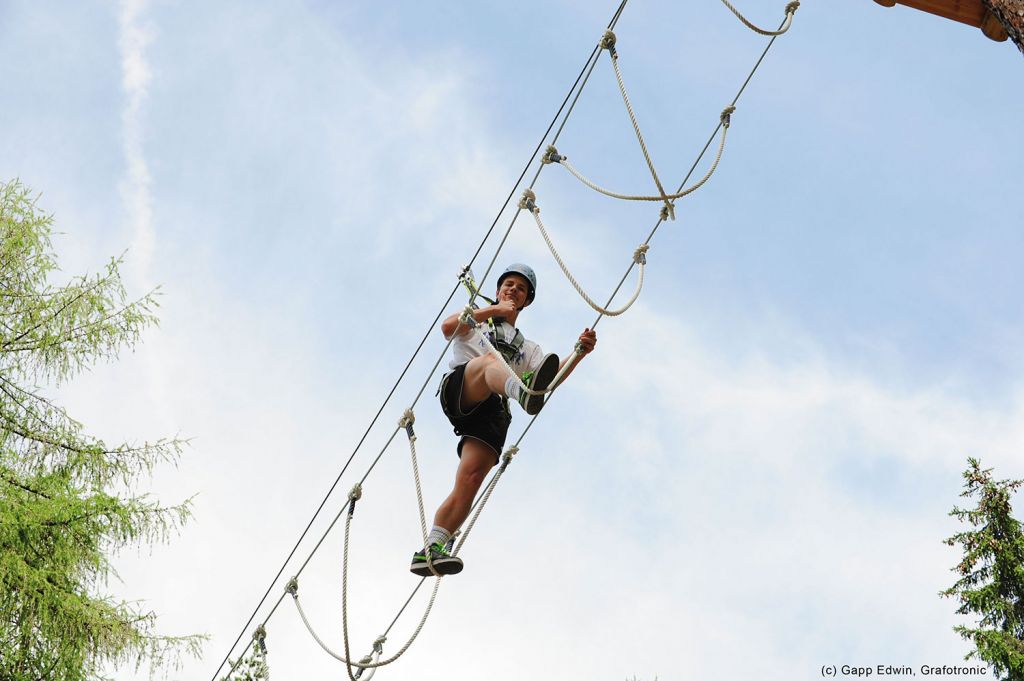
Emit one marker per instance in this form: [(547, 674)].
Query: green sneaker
[(538, 380), (443, 562)]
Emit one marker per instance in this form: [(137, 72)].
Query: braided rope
[(506, 460), (790, 11), (361, 664), (639, 257), (564, 161), (407, 420), (609, 37)]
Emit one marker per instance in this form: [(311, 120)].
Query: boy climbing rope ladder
[(475, 396)]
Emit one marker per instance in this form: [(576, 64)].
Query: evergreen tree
[(991, 583), (66, 504)]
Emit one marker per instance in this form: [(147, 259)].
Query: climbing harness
[(501, 340)]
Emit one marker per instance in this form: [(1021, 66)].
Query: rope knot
[(529, 201), (640, 254), (292, 587), (608, 41), (668, 211), (408, 418), (357, 492), (467, 317), (551, 155), (727, 113), (792, 7), (378, 645), (509, 453)]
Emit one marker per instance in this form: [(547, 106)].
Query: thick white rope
[(506, 460), (407, 421), (293, 589), (639, 257), (608, 43), (790, 11), (552, 156), (364, 663)]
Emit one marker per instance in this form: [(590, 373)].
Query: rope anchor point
[(551, 155), (529, 201), (608, 41), (467, 317), (640, 254), (292, 587), (726, 116)]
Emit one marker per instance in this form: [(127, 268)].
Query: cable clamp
[(464, 272), (551, 155), (668, 211), (292, 587), (529, 201), (356, 493), (640, 254), (467, 317), (506, 458), (408, 418), (608, 42), (726, 117), (792, 7)]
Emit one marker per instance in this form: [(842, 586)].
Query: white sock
[(513, 389), (438, 535)]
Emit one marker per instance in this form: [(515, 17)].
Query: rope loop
[(292, 587), (551, 155), (640, 254), (529, 201), (727, 113), (608, 41)]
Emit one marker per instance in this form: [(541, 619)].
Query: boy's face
[(515, 288)]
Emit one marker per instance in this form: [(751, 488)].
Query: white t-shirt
[(470, 345)]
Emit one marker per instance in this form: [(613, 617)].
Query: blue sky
[(751, 475)]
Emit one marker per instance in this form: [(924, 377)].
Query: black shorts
[(487, 421)]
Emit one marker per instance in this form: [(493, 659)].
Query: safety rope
[(506, 459), (563, 113), (368, 662), (551, 155), (787, 22), (639, 257), (374, 660), (608, 43)]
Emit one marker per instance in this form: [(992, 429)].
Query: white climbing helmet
[(523, 271)]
